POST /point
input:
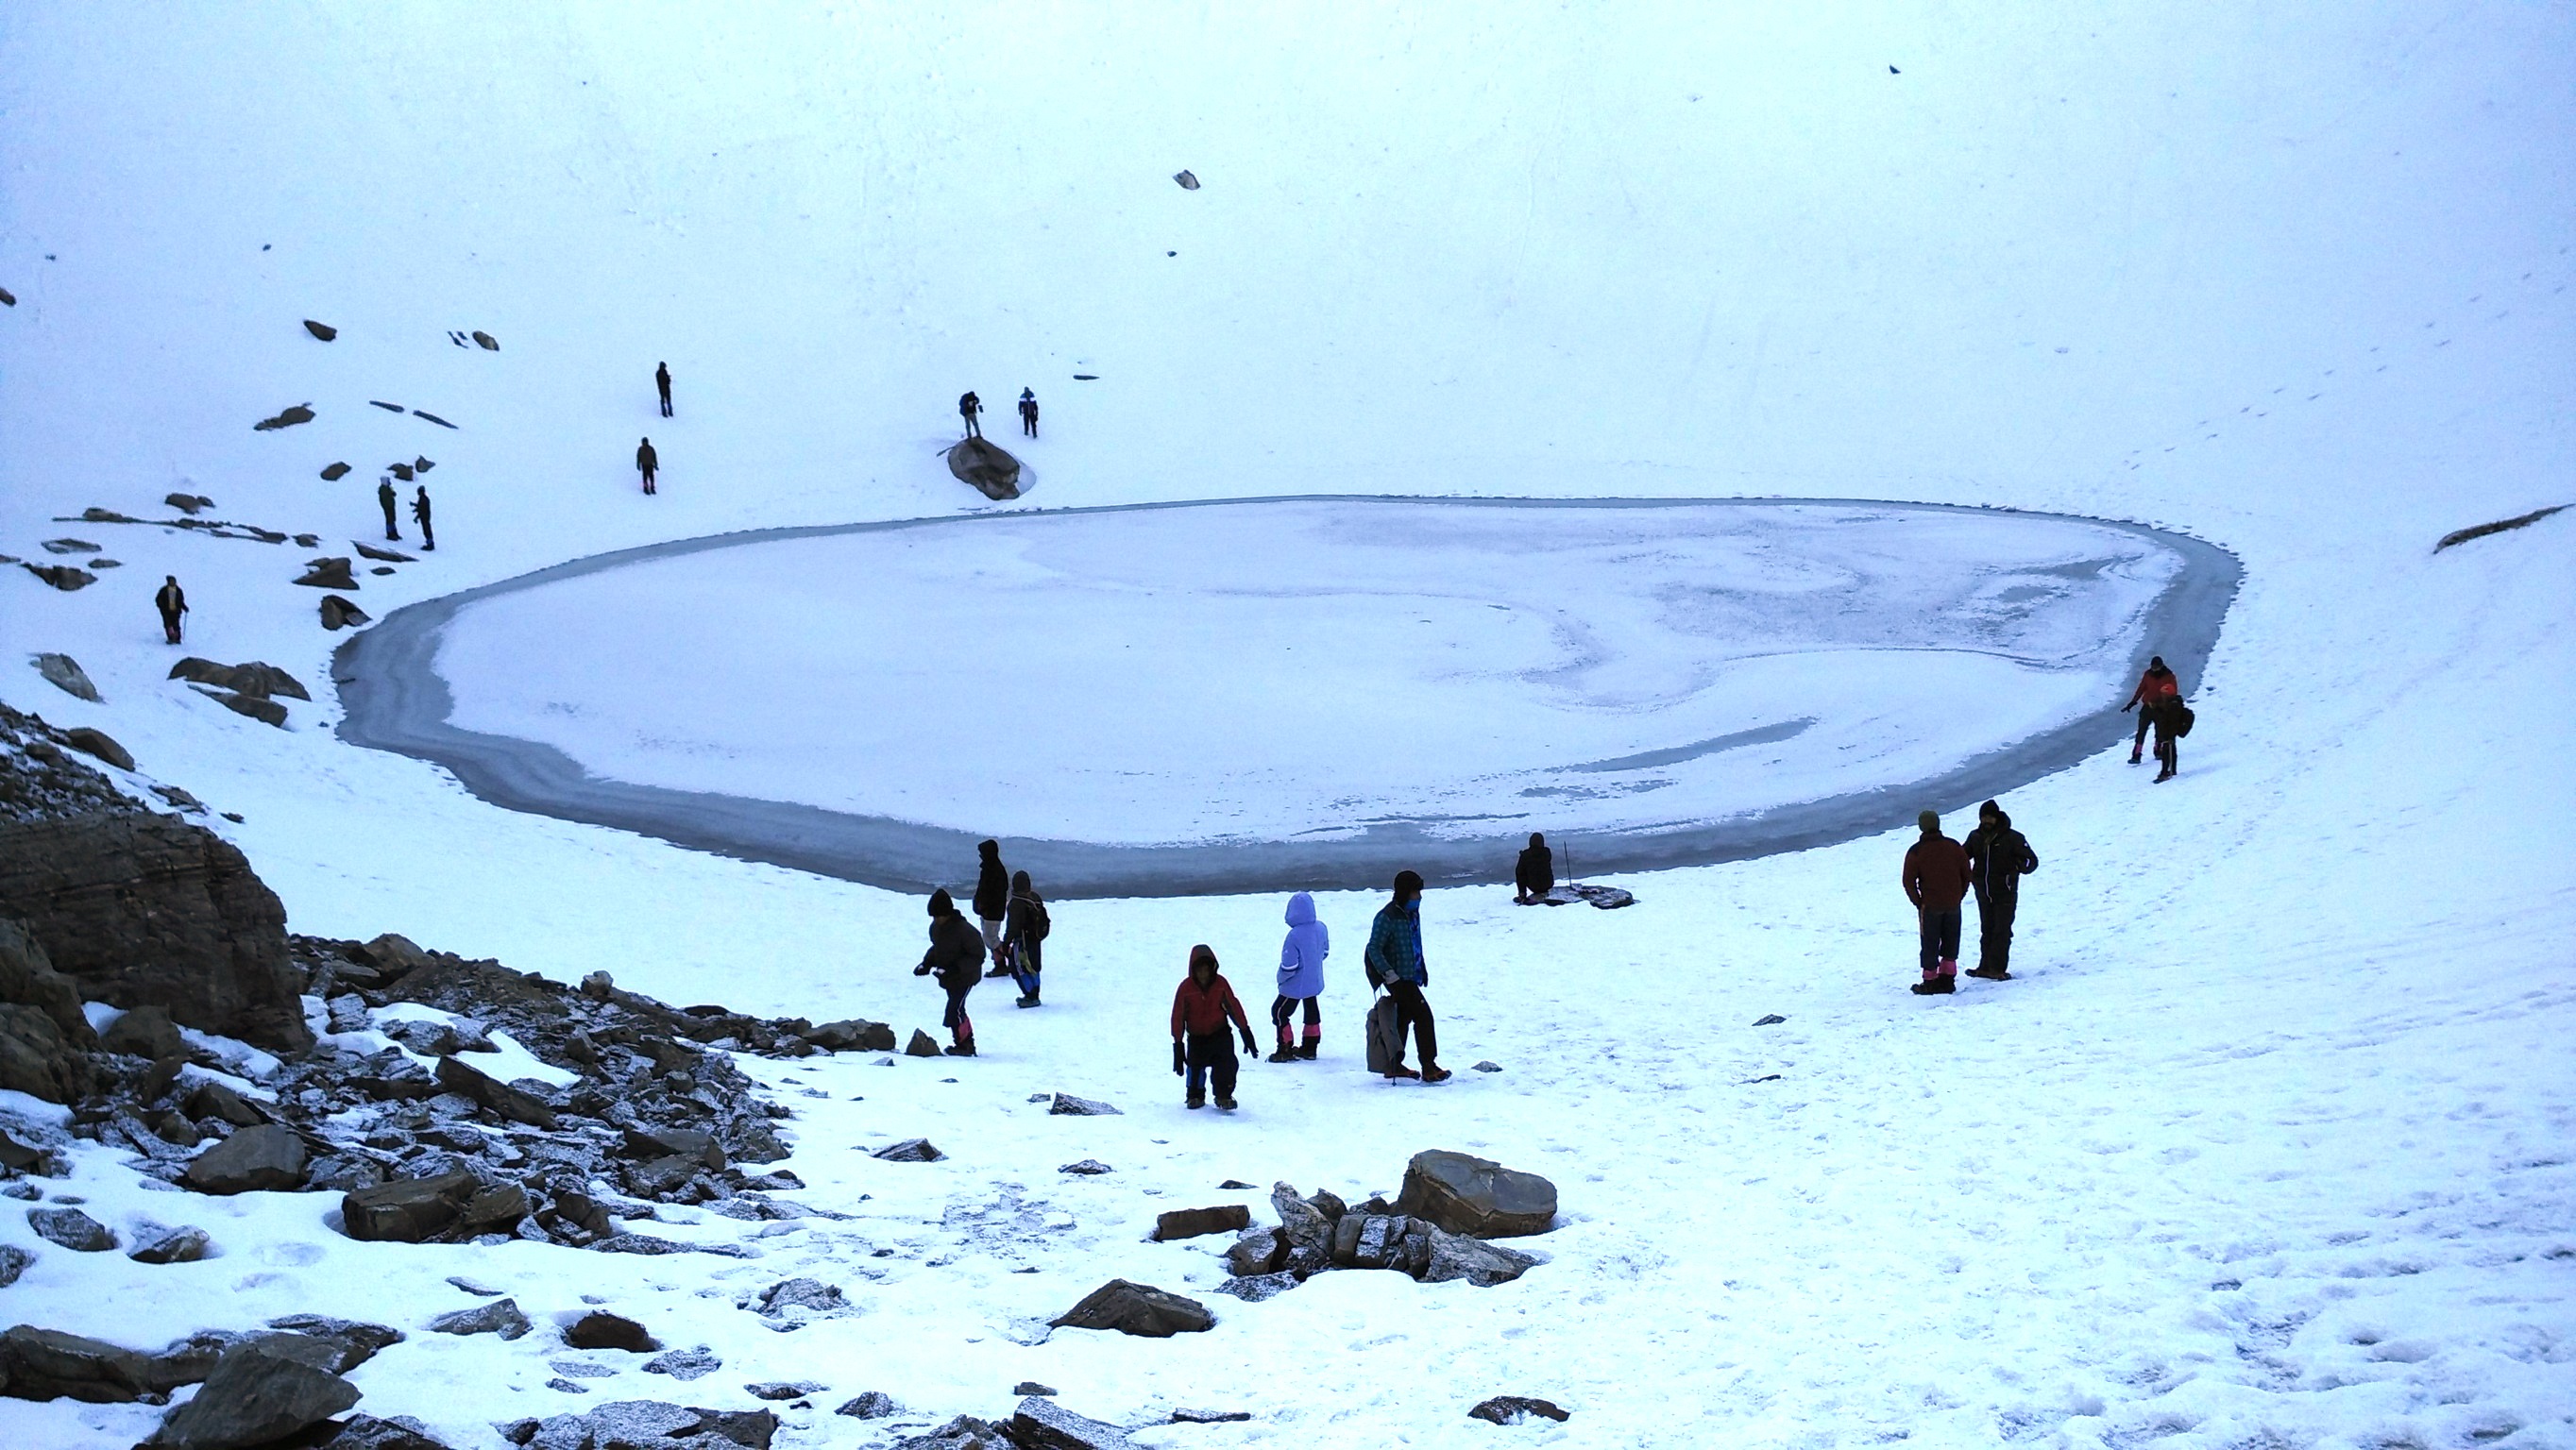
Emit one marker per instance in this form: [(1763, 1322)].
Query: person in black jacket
[(1534, 874), (993, 903), (1025, 932), (662, 383), (1028, 413), (172, 601), (968, 406), (1998, 857), (957, 955), (386, 499), (420, 516), (647, 462)]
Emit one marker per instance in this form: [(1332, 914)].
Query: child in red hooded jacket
[(1201, 1046)]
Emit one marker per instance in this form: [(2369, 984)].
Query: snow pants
[(1940, 939), (1994, 932), (1412, 1008), (1283, 1008), (1212, 1055)]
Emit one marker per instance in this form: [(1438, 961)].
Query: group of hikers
[(971, 409)]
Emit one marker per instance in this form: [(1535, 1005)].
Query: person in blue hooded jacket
[(1301, 979)]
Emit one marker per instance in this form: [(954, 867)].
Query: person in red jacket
[(2155, 687), (1936, 881), (1200, 1043)]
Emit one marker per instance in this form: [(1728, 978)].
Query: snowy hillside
[(2269, 1144)]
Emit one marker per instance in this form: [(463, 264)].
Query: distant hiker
[(993, 900), (1024, 933), (1534, 874), (1998, 857), (420, 515), (1028, 413), (1201, 1047), (662, 384), (1394, 961), (1301, 979), (1936, 881), (647, 462), (386, 498), (968, 405), (172, 601), (2156, 685), (2172, 719), (957, 955)]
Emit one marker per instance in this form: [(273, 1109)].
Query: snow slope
[(2270, 1146)]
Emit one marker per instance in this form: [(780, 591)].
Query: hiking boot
[(2161, 779), (1435, 1074), (998, 972), (962, 1049), (1225, 1105), (1936, 987), (1027, 1000), (1285, 1054), (1306, 1050), (1400, 1072), (1195, 1101), (1991, 974), (2137, 760)]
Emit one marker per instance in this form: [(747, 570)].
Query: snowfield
[(2270, 1143)]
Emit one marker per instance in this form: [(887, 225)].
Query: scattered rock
[(1253, 1288), (1486, 1067), (64, 577), (257, 678), (254, 1396), (852, 1035), (1190, 1223), (874, 1405), (432, 417), (145, 1032), (381, 555), (47, 1364), (258, 707), (2480, 531), (1039, 1423), (1773, 1020), (1210, 1417), (188, 503), (65, 673), (783, 1389), (366, 1432), (1088, 1167), (1513, 1409), (810, 1295), (484, 340), (401, 471), (72, 1229), (407, 1210), (38, 1058), (286, 418), (921, 1045), (339, 613), (1138, 1309), (1476, 1196), (1258, 1251), (335, 472), (910, 1150), (69, 546), (353, 1342), (98, 745), (599, 1330), (1066, 1104), (212, 1099), (990, 471), (500, 1316), (1188, 181), (265, 1159), (1456, 1256), (1032, 1387), (322, 330), (13, 1262), (684, 1364), (329, 572), (1232, 1185), (499, 1097)]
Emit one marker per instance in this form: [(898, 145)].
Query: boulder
[(910, 1150), (1513, 1409), (366, 1432), (335, 472), (98, 745), (255, 1396), (47, 1364), (598, 1330), (921, 1045), (1476, 1196), (179, 1246), (1067, 1105), (258, 707), (328, 573), (379, 553), (13, 1262), (652, 1425), (985, 467), (212, 1099), (407, 1210), (852, 1035), (496, 1209), (339, 613), (1039, 1423), (684, 1364), (257, 679), (812, 1295), (1304, 1225), (1190, 1223), (499, 1097), (142, 909), (146, 1032), (265, 1159), (500, 1316), (1258, 1251), (28, 979), (65, 673), (72, 1229), (64, 577), (1087, 1168), (1456, 1256), (38, 1059), (353, 1342), (874, 1405), (284, 418), (1138, 1309)]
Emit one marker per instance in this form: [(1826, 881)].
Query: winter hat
[(1930, 821), (942, 904), (1407, 883), (1990, 809), (2155, 662)]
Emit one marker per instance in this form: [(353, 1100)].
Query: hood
[(1301, 910)]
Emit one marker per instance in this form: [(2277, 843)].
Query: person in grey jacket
[(1301, 979)]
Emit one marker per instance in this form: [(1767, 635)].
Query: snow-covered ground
[(2271, 1145)]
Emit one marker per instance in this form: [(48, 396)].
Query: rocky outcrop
[(146, 910), (257, 678), (1139, 1309), (990, 471), (1476, 1196)]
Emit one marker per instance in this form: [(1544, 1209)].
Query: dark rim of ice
[(393, 699)]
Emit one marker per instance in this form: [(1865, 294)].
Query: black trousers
[(2138, 742), (1994, 932), (959, 1025), (1411, 1008), (1283, 1009), (1940, 938), (1212, 1055)]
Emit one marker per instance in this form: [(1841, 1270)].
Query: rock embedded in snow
[(64, 673), (1188, 179), (1190, 1223), (485, 340), (921, 1045), (1039, 1423), (1088, 1167), (1066, 1104), (62, 576), (339, 613), (987, 468), (601, 1330), (256, 678), (783, 1389), (48, 1364), (212, 1099), (407, 1210), (1256, 1252), (145, 1032), (647, 1425), (684, 1364), (1210, 1417), (179, 1246), (328, 572), (265, 1159), (13, 1262), (98, 745), (500, 1316), (811, 1296), (366, 1432), (69, 546), (38, 1059), (910, 1150), (255, 1396), (851, 1035), (257, 707), (1456, 1256), (873, 1405), (501, 1098), (71, 1229), (352, 1342), (322, 330), (1513, 1409), (380, 554), (1476, 1196), (335, 472), (1138, 1309), (285, 418), (1254, 1288)]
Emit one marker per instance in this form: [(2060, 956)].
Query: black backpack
[(2182, 719)]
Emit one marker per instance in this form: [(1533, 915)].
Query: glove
[(1251, 1049), (1180, 1059), (922, 971), (2125, 709)]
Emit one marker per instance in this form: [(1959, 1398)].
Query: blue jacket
[(1301, 956), (1395, 945)]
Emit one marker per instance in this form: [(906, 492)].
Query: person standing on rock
[(172, 601), (1998, 857), (1301, 979), (957, 955), (647, 462), (2156, 686), (1201, 1046), (1028, 413), (387, 500), (1394, 961), (1936, 881), (662, 385), (993, 902), (1534, 874), (1025, 933), (420, 515), (968, 406)]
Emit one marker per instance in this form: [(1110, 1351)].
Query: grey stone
[(13, 1262), (1476, 1196), (1068, 1105), (28, 979), (499, 1097), (1038, 1423), (500, 1316), (258, 707), (179, 1246), (1304, 1224), (783, 1389), (255, 1395), (1456, 1256), (602, 1330), (342, 1173), (985, 467), (812, 1295), (851, 1035), (1138, 1309), (1513, 1409), (211, 1099), (653, 1425), (1210, 1417), (71, 1229), (1380, 1240), (69, 546), (407, 1210), (366, 1432), (921, 1045), (1032, 1387), (1190, 1223), (1486, 1067), (1253, 1288), (284, 418), (265, 1159), (47, 1364), (339, 613), (98, 745), (322, 330), (684, 1364), (37, 1058), (353, 1342), (910, 1150), (147, 1032), (1087, 1168), (1257, 1251), (62, 576), (63, 671), (874, 1405)]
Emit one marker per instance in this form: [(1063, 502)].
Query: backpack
[(1385, 1039), (2182, 720), (1039, 927)]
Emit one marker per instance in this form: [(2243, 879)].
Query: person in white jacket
[(1301, 979)]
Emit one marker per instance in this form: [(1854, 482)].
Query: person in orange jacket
[(1201, 1046), (2155, 687)]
